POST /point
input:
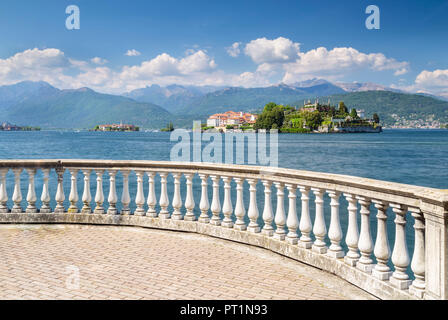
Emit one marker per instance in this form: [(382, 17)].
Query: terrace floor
[(105, 262)]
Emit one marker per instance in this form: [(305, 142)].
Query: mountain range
[(201, 101), (40, 104)]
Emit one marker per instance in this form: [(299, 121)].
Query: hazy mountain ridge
[(41, 105), (172, 97)]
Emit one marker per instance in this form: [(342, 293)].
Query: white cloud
[(279, 50), (166, 65), (234, 50), (339, 62), (35, 65), (433, 79), (132, 53), (99, 61), (434, 82), (196, 62)]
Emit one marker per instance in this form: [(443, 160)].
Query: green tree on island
[(272, 116), (343, 111), (169, 127), (353, 114), (376, 118), (312, 119)]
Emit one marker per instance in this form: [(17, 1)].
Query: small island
[(169, 127), (6, 126), (116, 127), (316, 118)]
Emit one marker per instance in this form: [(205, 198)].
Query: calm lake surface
[(417, 157)]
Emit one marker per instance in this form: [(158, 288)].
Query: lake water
[(407, 156)]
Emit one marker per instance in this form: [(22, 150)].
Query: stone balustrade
[(347, 235)]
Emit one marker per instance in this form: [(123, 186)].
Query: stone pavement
[(102, 262)]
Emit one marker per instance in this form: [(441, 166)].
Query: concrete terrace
[(114, 262)]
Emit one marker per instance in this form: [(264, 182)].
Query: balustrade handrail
[(411, 194), (428, 208)]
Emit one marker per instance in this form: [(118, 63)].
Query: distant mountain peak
[(310, 83), (84, 89)]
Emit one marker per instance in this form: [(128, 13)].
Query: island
[(116, 127), (316, 118), (6, 126), (169, 128)]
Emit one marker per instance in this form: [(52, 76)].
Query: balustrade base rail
[(353, 275)]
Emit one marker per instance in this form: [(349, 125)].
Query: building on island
[(117, 127), (221, 120), (309, 106), (361, 113), (6, 126)]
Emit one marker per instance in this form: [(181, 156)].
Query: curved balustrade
[(359, 253)]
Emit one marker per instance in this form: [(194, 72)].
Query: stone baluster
[(280, 218), (3, 192), (60, 197), (99, 196), (45, 197), (163, 200), (292, 221), (365, 243), (112, 198), (189, 199), (400, 255), (227, 207), (86, 196), (335, 231), (125, 197), (305, 220), (418, 258), (177, 200), (204, 204), (140, 197), (152, 200), (319, 230), (216, 204), (17, 195), (73, 197), (31, 195), (352, 237), (240, 211), (253, 212), (268, 215), (382, 249)]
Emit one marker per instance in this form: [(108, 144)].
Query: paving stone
[(75, 262)]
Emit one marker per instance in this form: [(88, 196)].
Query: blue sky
[(188, 42)]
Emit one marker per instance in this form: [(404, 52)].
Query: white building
[(360, 113)]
